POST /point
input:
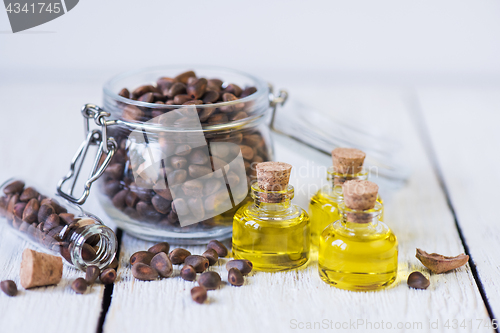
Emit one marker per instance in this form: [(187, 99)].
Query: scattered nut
[(9, 287), (220, 248), (79, 286), (143, 257), (144, 272), (438, 263), (243, 265), (160, 247), (199, 294), (209, 280), (177, 256), (211, 255), (91, 274), (162, 264), (108, 276), (235, 277), (199, 263), (188, 273), (418, 281)]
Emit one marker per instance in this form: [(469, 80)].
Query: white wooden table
[(452, 140)]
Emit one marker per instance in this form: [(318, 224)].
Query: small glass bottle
[(358, 252), (272, 232), (324, 205), (57, 227)]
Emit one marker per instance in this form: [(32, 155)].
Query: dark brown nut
[(209, 280), (143, 89), (199, 263), (220, 248), (233, 89), (144, 272), (197, 88), (178, 162), (184, 77), (10, 206), (51, 222), (79, 286), (211, 255), (193, 188), (177, 88), (248, 91), (418, 281), (182, 150), (438, 263), (188, 273), (131, 199), (160, 247), (243, 265), (132, 113), (162, 264), (88, 252), (198, 157), (147, 98), (124, 93), (178, 255), (45, 211), (28, 194), (91, 274), (180, 207), (197, 171), (9, 287), (199, 294), (30, 213), (235, 277), (181, 99), (16, 186), (19, 209), (143, 257), (210, 96), (66, 218), (108, 276), (58, 208), (161, 205)]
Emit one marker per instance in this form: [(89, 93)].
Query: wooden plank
[(280, 302), (39, 136), (467, 154)]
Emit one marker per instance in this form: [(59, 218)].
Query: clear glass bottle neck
[(361, 218), (272, 200), (336, 179)]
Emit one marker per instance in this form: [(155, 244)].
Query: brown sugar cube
[(273, 176), (348, 160), (40, 269), (360, 194)]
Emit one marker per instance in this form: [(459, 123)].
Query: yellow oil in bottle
[(358, 256), (273, 236), (324, 205)]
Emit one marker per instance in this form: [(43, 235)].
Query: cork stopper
[(40, 269), (273, 176), (360, 194), (348, 160)]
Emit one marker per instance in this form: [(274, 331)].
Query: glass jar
[(180, 172), (57, 226)]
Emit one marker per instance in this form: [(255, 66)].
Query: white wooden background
[(451, 136)]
